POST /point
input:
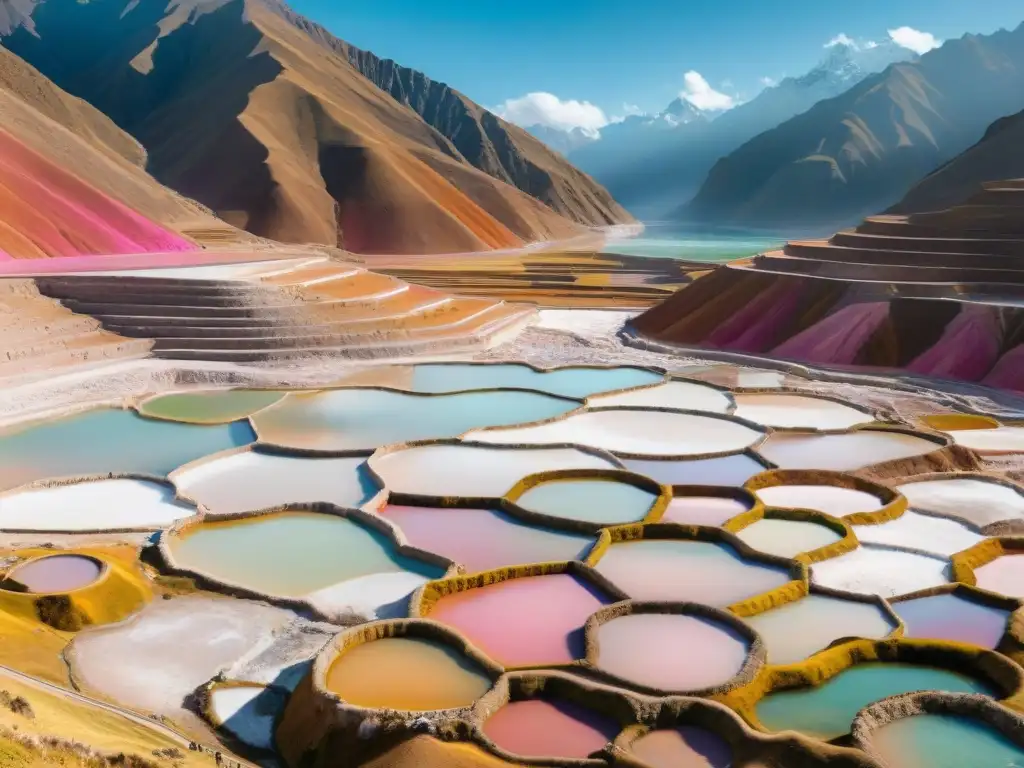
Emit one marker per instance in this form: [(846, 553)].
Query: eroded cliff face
[(262, 116)]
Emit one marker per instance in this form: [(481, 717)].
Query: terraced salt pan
[(406, 673), (640, 433), (483, 539), (363, 419), (732, 471), (838, 502), (843, 453), (798, 412), (702, 510), (670, 652), (787, 538), (335, 563), (991, 441), (795, 631), (924, 532), (153, 661), (944, 741), (603, 502), (209, 406), (441, 470), (93, 505), (979, 501), (870, 570), (682, 395), (569, 382), (110, 440), (251, 480), (538, 728), (826, 711), (686, 571), (248, 712), (952, 617), (1004, 575), (683, 747)]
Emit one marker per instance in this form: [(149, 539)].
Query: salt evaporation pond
[(540, 728), (681, 395), (945, 741), (686, 571), (249, 712), (56, 573), (798, 412), (926, 533), (93, 505), (732, 471), (440, 470), (795, 631), (526, 621), (870, 570), (639, 433), (787, 538), (363, 419), (684, 747), (295, 554), (830, 499), (1004, 575), (670, 652), (483, 539), (991, 441), (110, 440), (606, 502), (826, 711), (980, 501), (568, 382), (250, 480), (209, 406), (952, 617), (406, 673), (703, 510), (843, 453)]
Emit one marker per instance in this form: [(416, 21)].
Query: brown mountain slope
[(999, 155), (83, 141), (242, 107), (861, 151)]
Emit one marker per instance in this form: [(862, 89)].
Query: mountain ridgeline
[(292, 134)]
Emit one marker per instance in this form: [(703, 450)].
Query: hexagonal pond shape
[(541, 728), (248, 480), (870, 570), (576, 382), (686, 746), (787, 538), (473, 471), (363, 419), (55, 574), (209, 406), (632, 432), (791, 411), (698, 506), (944, 741), (927, 533), (680, 395), (732, 471), (977, 499), (484, 539), (953, 616), (333, 562), (525, 621), (407, 673), (683, 570), (129, 444), (845, 452), (677, 653), (795, 631), (93, 505), (830, 499), (598, 500), (826, 711)]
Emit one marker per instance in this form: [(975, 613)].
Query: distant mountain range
[(860, 152), (290, 133), (653, 164)]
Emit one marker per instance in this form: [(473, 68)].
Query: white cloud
[(628, 110), (917, 41), (542, 108), (699, 92), (769, 82), (841, 39)]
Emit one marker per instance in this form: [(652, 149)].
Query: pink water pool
[(683, 747), (58, 573), (703, 510), (1004, 575), (538, 728)]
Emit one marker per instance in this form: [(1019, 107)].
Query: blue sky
[(607, 54)]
